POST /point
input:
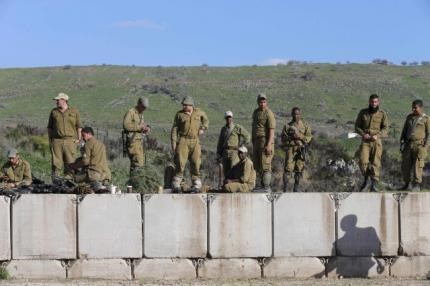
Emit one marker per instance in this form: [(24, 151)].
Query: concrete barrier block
[(235, 268), (417, 266), (414, 221), (44, 227), (110, 226), (36, 269), (4, 228), (299, 215), (368, 225), (357, 267), (175, 225), (165, 269), (240, 225), (100, 269), (294, 267)]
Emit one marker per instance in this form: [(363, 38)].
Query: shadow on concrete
[(355, 250)]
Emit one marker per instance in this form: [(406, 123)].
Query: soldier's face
[(13, 160), (141, 108), (60, 103), (187, 108), (262, 103), (374, 102), (86, 136), (416, 109), (228, 120), (296, 115), (242, 156)]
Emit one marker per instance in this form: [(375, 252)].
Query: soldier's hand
[(366, 136), (201, 132), (173, 145), (268, 150), (11, 185)]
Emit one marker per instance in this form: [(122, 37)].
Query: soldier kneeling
[(242, 176)]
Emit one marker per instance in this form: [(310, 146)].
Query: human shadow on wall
[(355, 250)]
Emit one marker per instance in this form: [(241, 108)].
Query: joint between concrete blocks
[(400, 196), (211, 197), (146, 197)]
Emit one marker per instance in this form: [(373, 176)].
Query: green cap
[(12, 153), (143, 101), (261, 96), (188, 100)]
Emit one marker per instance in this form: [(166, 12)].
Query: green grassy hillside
[(329, 95)]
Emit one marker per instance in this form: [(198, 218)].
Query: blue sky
[(214, 32)]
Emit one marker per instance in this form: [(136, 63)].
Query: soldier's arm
[(50, 125), (246, 173), (78, 126), (404, 130), (27, 179), (358, 128), (427, 137), (384, 126), (284, 136), (204, 121), (174, 133), (220, 144), (245, 135), (271, 126), (307, 137)]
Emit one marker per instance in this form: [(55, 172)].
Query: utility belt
[(231, 148), (64, 138), (189, 136)]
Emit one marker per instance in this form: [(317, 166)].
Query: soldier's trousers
[(63, 153), (294, 161), (238, 187), (413, 159), (370, 158), (136, 154), (262, 162), (229, 159), (188, 149)]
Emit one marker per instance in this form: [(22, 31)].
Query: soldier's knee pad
[(267, 177), (197, 183), (176, 182)]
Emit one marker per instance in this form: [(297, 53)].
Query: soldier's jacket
[(20, 175), (64, 124), (302, 129), (94, 158), (131, 123), (188, 125), (372, 123), (419, 130), (231, 137), (262, 122), (244, 171)]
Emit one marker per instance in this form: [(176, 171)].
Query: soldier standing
[(232, 136), (414, 142), (263, 140), (94, 162), (188, 125), (64, 131), (372, 125), (134, 129), (16, 172), (296, 135), (241, 178)]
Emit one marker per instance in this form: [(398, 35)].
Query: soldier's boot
[(286, 178), (416, 187), (176, 184), (374, 186), (365, 185), (297, 177), (267, 178), (196, 187)]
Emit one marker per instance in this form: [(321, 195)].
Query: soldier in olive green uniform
[(16, 172), (93, 162), (414, 141), (232, 135), (372, 126), (135, 128), (263, 140), (64, 131), (241, 178), (296, 134), (188, 125)]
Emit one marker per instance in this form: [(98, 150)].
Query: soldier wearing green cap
[(64, 131), (16, 172), (188, 125), (232, 136), (135, 128), (263, 140)]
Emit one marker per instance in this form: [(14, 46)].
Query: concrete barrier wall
[(215, 235), (4, 228)]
